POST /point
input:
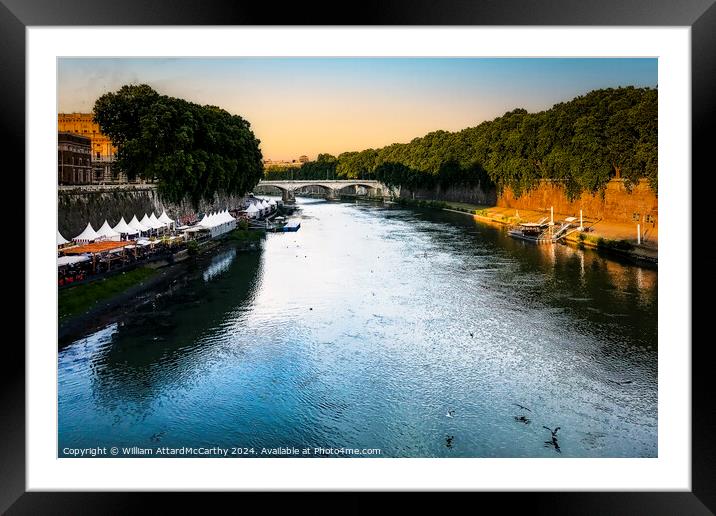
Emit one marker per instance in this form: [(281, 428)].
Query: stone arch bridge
[(332, 188)]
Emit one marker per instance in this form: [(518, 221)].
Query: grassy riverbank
[(607, 236), (82, 303), (244, 235), (77, 300)]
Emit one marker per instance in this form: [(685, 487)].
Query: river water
[(420, 333)]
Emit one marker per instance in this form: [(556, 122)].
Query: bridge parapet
[(332, 186)]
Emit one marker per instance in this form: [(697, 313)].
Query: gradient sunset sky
[(309, 105)]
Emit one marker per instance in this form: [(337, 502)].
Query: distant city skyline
[(307, 106)]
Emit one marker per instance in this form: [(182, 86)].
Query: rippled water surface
[(365, 329)]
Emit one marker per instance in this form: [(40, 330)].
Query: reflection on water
[(220, 263), (365, 329)]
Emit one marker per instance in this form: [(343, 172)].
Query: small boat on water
[(278, 225), (531, 231), (541, 232), (285, 228)]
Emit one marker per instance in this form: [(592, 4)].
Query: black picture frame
[(700, 15)]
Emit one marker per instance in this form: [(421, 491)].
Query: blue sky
[(310, 105)]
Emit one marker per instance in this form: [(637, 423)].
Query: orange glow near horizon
[(307, 106)]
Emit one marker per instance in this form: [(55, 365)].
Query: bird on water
[(553, 432)]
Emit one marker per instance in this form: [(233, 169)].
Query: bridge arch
[(372, 189), (357, 183), (331, 187), (328, 190), (308, 184), (284, 191), (268, 186)]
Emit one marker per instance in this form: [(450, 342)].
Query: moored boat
[(531, 231), (285, 228), (277, 226), (541, 232), (291, 226)]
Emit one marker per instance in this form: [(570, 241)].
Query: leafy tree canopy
[(326, 157), (192, 151), (582, 143)]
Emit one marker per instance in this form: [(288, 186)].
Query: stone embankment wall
[(468, 194), (76, 206), (615, 204)]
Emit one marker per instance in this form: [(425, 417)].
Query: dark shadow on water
[(160, 343)]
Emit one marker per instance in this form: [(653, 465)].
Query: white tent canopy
[(252, 210), (60, 239), (154, 221), (226, 216), (135, 224), (123, 228), (217, 223), (146, 222), (107, 232), (205, 221), (216, 219), (88, 235), (165, 218)]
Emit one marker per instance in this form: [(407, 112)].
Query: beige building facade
[(74, 165), (103, 152)]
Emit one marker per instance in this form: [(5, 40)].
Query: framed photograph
[(416, 253)]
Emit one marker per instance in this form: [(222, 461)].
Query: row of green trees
[(323, 168), (193, 151), (583, 143)]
